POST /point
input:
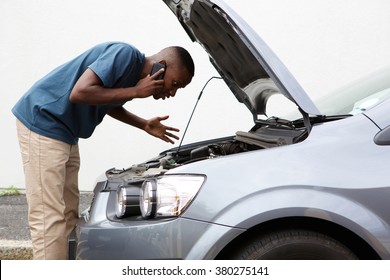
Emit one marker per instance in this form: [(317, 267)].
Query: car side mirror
[(382, 138)]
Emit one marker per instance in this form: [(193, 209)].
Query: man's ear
[(163, 62)]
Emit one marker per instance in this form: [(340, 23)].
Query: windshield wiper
[(321, 119), (328, 118)]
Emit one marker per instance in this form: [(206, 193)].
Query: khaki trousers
[(51, 176)]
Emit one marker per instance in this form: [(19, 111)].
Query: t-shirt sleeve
[(113, 63)]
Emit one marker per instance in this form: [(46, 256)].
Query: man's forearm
[(89, 90), (121, 114)]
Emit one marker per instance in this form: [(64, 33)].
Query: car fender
[(301, 201)]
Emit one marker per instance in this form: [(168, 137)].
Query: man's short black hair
[(186, 59)]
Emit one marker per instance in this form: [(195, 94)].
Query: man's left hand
[(156, 128)]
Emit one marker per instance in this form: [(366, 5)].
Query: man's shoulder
[(116, 48), (117, 45)]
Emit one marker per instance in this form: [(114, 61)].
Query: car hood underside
[(241, 57)]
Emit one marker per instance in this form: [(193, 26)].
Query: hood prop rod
[(196, 104)]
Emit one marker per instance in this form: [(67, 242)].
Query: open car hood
[(249, 67)]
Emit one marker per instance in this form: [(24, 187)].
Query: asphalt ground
[(15, 243)]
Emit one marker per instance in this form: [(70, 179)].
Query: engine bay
[(263, 135)]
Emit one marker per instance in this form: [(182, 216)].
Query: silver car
[(312, 184)]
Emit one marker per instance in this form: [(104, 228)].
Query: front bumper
[(164, 239), (97, 237)]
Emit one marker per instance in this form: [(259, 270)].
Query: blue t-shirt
[(46, 108)]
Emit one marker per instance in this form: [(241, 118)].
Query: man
[(68, 104)]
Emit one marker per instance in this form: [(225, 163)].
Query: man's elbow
[(76, 96)]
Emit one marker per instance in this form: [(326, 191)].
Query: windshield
[(357, 97)]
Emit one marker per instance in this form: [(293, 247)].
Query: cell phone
[(157, 66)]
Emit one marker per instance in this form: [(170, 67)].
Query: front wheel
[(296, 244)]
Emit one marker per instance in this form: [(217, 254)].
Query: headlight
[(169, 195), (127, 201), (147, 199)]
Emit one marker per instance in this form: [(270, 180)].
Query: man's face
[(175, 77)]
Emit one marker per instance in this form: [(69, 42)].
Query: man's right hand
[(149, 85)]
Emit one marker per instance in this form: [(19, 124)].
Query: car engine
[(265, 134)]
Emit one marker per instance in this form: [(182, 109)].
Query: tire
[(297, 244)]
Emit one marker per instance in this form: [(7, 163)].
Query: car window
[(352, 99), (370, 101), (357, 97)]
